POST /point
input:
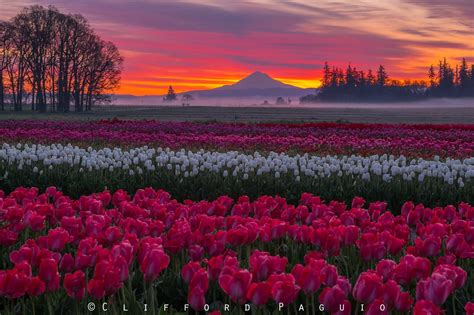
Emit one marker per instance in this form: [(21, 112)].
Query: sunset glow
[(204, 44)]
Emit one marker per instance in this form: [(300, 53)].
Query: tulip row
[(150, 252), (78, 171), (321, 138)]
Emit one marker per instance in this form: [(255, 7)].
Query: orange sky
[(204, 44)]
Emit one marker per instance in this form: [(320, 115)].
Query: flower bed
[(207, 175), (152, 252), (322, 138)]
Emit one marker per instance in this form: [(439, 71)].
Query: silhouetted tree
[(326, 80), (53, 59), (432, 77), (171, 96), (187, 97), (463, 76), (353, 85), (350, 79), (451, 83), (4, 59), (280, 101), (370, 78), (382, 76)]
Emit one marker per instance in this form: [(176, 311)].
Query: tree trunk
[(33, 99)]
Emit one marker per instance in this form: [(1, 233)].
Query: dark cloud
[(416, 32), (185, 16), (462, 10)]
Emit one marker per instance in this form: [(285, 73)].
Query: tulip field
[(147, 217)]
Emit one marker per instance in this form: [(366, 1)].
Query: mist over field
[(256, 102)]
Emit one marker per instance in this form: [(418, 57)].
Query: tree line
[(354, 85), (55, 61), (451, 82)]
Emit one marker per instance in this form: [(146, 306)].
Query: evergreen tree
[(171, 96), (446, 83), (340, 77), (456, 76), (334, 77), (463, 76), (326, 81), (432, 77), (362, 79), (472, 77), (382, 76), (350, 82), (370, 78)]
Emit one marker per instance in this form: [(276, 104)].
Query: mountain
[(253, 89), (257, 84), (257, 80)]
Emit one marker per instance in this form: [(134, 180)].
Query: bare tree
[(4, 59), (55, 59)]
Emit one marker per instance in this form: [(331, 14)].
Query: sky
[(203, 44)]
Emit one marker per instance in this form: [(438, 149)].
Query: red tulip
[(389, 292), (424, 307), (96, 289), (262, 265), (448, 259), (154, 262), (200, 279), (469, 308), (284, 288), (235, 283), (367, 287), (431, 246), (215, 265), (344, 284), (357, 202), (36, 287), (435, 289), (196, 252), (13, 284), (385, 267), (454, 273), (403, 302), (67, 263), (329, 275), (237, 236), (259, 293), (57, 239), (72, 224), (188, 270), (371, 247), (28, 252), (35, 221), (75, 284), (331, 298), (112, 234), (24, 267), (307, 278), (377, 307), (7, 237), (48, 272), (411, 268), (315, 255), (457, 245), (196, 298), (349, 234)]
